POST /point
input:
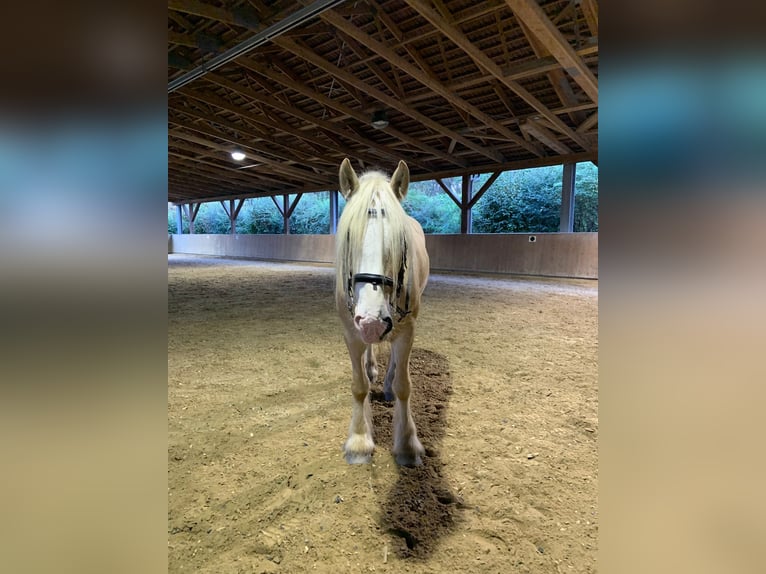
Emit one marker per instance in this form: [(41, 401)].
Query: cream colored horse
[(382, 269)]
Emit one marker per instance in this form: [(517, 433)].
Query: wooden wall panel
[(551, 254)]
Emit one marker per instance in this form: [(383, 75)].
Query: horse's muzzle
[(373, 329)]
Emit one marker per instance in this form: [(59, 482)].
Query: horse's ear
[(400, 181), (348, 180)]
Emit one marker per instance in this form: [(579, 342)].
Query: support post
[(466, 223), (232, 218), (333, 211), (233, 212), (179, 220), (566, 222), (192, 209), (286, 214)]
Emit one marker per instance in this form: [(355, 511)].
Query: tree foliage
[(519, 201), (434, 210), (586, 197)]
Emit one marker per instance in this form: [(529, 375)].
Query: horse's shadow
[(420, 508)]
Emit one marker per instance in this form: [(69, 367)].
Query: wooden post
[(566, 222), (286, 214), (192, 209), (232, 218), (286, 209), (466, 223), (233, 212), (333, 211)]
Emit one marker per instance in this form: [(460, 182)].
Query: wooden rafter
[(270, 164), (588, 123), (546, 136), (427, 80), (311, 120), (300, 87), (459, 38), (590, 11), (287, 153), (469, 88), (518, 72), (276, 124), (206, 11), (392, 102), (557, 77), (487, 184), (538, 22)]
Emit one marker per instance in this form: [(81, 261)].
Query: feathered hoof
[(358, 449), (358, 458)]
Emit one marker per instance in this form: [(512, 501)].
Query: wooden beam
[(566, 217), (529, 12), (294, 204), (448, 191), (207, 11), (279, 207), (546, 136), (590, 11), (588, 123), (390, 101), (233, 176), (557, 77), (519, 71), (271, 192), (487, 184), (481, 59), (509, 166), (291, 154), (374, 67), (311, 120), (276, 124), (182, 39), (237, 209), (275, 166), (188, 167), (466, 219), (333, 103), (424, 78)]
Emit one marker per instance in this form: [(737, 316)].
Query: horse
[(381, 271)]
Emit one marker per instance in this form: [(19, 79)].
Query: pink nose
[(371, 329)]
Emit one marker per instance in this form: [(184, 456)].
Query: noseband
[(372, 279), (376, 280)]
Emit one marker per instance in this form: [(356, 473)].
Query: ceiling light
[(380, 119), (237, 155)]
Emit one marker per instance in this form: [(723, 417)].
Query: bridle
[(382, 280)]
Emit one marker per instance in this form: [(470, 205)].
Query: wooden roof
[(467, 87)]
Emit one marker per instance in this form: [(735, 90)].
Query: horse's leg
[(359, 446), (388, 393), (407, 448), (371, 364)]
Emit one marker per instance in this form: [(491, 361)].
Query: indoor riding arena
[(265, 100), (504, 372)]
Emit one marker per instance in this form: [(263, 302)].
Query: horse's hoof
[(389, 396), (408, 460), (358, 458)]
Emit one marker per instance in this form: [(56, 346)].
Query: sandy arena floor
[(504, 375)]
